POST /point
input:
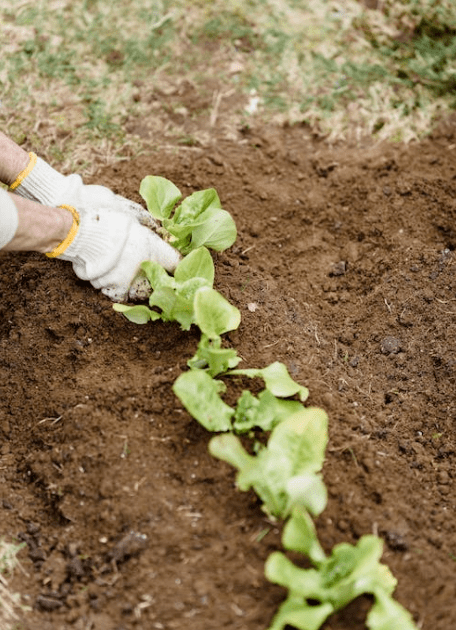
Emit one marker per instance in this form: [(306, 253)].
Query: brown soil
[(129, 523)]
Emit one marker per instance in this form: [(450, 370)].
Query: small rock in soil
[(48, 603), (339, 269), (396, 541), (390, 345), (75, 568), (130, 545), (37, 555)]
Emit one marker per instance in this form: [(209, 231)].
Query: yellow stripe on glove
[(23, 174), (58, 251)]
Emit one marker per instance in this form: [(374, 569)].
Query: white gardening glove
[(110, 237), (107, 247), (40, 182)]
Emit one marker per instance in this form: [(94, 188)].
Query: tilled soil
[(344, 270)]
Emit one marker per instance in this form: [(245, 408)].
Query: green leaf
[(303, 582), (294, 614), (277, 380), (246, 413), (181, 234), (214, 315), (212, 356), (160, 195), (189, 288), (287, 455), (303, 437), (218, 232), (194, 205), (199, 394), (309, 491), (229, 449), (299, 535), (139, 314), (198, 264), (264, 412), (157, 276), (387, 614), (174, 307)]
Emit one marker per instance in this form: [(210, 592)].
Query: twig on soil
[(272, 344), (148, 600), (173, 147), (54, 420), (216, 100), (388, 305)]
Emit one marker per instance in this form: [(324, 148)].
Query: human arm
[(38, 228), (108, 238), (13, 160)]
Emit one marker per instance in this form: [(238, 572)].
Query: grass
[(74, 73), (9, 602)]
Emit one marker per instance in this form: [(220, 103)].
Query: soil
[(344, 270)]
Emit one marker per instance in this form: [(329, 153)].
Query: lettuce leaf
[(214, 315), (199, 393), (350, 571), (263, 412), (212, 357), (160, 196), (277, 380), (199, 220), (295, 451)]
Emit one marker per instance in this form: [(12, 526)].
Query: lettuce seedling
[(200, 395), (277, 380), (211, 357), (264, 411), (187, 298), (214, 317), (285, 473), (173, 296), (335, 581), (199, 220)]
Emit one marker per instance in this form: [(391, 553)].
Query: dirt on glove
[(344, 269)]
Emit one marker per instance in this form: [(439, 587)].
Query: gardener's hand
[(110, 236), (106, 248), (40, 182)]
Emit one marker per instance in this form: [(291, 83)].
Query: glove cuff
[(60, 249), (39, 182)]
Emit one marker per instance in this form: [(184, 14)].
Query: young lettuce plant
[(335, 581), (277, 380), (199, 220), (200, 394), (178, 298), (214, 317), (285, 473)]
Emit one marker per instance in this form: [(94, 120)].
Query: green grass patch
[(70, 70)]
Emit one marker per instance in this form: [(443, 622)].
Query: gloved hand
[(110, 236)]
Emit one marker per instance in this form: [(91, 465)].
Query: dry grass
[(75, 75), (9, 601)]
